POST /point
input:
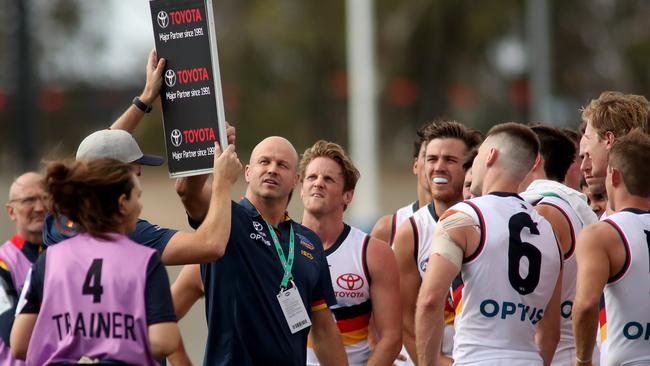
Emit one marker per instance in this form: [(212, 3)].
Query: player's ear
[(11, 212), (539, 161), (247, 169), (492, 157), (347, 196), (609, 139), (121, 204)]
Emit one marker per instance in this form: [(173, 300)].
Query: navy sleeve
[(150, 235), (158, 296), (323, 291), (34, 296), (7, 317), (52, 234)]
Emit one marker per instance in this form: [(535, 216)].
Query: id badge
[(294, 310)]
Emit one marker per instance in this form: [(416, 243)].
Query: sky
[(110, 46)]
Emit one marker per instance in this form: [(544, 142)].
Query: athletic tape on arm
[(443, 245)]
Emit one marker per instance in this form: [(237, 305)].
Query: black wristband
[(141, 106)]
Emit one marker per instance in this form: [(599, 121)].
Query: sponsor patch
[(307, 254), (307, 245)]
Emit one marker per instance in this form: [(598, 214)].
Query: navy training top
[(246, 325)]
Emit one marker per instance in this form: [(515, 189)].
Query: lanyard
[(287, 263)]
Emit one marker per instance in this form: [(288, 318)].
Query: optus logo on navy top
[(350, 281), (178, 17), (186, 76)]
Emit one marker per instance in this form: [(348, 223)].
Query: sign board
[(191, 95)]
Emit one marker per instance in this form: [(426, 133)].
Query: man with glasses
[(27, 206)]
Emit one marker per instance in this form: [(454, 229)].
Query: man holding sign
[(262, 299)]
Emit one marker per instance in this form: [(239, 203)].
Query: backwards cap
[(115, 144)]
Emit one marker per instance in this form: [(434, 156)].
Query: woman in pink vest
[(97, 296)]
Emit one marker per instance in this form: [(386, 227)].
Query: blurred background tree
[(284, 67)]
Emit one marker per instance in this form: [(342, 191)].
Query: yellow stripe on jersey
[(348, 338), (449, 317), (318, 305), (4, 266), (603, 333), (355, 336)]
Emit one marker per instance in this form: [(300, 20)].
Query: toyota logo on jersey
[(350, 281)]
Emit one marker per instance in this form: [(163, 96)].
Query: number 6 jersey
[(509, 281), (93, 298)]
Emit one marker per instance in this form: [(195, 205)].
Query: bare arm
[(21, 333), (383, 229), (548, 329), (130, 119), (209, 241), (383, 287), (326, 338), (410, 282), (593, 272), (429, 316), (186, 290), (163, 339), (559, 223)]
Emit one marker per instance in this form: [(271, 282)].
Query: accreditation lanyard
[(287, 262)]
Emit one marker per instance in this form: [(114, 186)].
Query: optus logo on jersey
[(491, 308), (260, 234), (634, 330), (350, 281), (566, 309), (257, 236), (257, 226)]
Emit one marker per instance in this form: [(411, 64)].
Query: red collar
[(18, 241)]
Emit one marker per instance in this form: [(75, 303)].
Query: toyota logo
[(170, 78), (176, 137), (350, 281), (163, 19)]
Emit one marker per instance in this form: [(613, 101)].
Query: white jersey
[(565, 351), (627, 293), (423, 223), (508, 281), (400, 216), (351, 284)]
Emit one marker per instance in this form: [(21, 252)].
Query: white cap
[(115, 144)]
